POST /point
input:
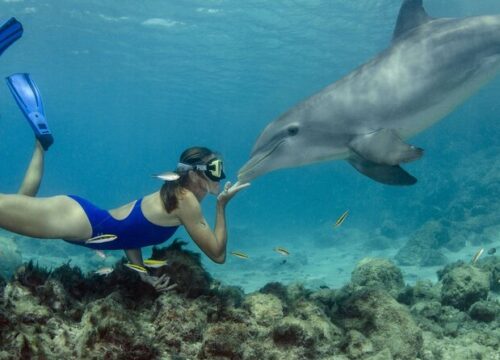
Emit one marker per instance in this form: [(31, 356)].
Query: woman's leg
[(33, 176), (58, 217)]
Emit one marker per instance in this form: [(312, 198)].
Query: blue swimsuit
[(135, 231)]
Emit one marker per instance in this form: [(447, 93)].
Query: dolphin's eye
[(293, 130)]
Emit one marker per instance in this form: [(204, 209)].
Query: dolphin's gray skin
[(432, 66)]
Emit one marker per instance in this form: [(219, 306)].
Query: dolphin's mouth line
[(257, 162)]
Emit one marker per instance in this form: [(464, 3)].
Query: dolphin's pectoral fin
[(385, 174), (384, 147), (411, 15)]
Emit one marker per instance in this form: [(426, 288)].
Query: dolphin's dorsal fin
[(411, 15)]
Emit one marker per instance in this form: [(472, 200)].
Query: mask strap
[(184, 167), (187, 167)]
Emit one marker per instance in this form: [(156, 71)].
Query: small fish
[(282, 251), (492, 251), (101, 254), (135, 267), (104, 271), (341, 219), (239, 254), (477, 255), (168, 176), (215, 285), (150, 263), (101, 239)]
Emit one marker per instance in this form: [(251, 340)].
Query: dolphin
[(431, 66)]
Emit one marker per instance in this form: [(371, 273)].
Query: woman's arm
[(212, 243), (134, 256)]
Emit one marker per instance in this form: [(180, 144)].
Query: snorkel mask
[(214, 169)]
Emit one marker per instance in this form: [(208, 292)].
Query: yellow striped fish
[(341, 219), (477, 256), (150, 263), (101, 239), (239, 254), (135, 267), (105, 271), (282, 251)]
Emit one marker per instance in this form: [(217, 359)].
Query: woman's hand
[(229, 191), (161, 284)]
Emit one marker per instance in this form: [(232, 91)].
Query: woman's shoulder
[(186, 197), (187, 203)]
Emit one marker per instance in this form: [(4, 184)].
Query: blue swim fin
[(27, 96), (10, 31)]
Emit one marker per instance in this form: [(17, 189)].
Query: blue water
[(128, 85)]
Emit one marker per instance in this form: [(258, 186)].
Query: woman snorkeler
[(150, 220)]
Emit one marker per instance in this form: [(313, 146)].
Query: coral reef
[(64, 314), (460, 208), (464, 285), (379, 317), (380, 273), (423, 246), (185, 269)]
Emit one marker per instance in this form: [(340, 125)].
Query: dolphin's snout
[(246, 171)]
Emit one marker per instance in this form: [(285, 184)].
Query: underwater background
[(127, 86)]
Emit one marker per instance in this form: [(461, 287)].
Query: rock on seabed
[(63, 314)]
